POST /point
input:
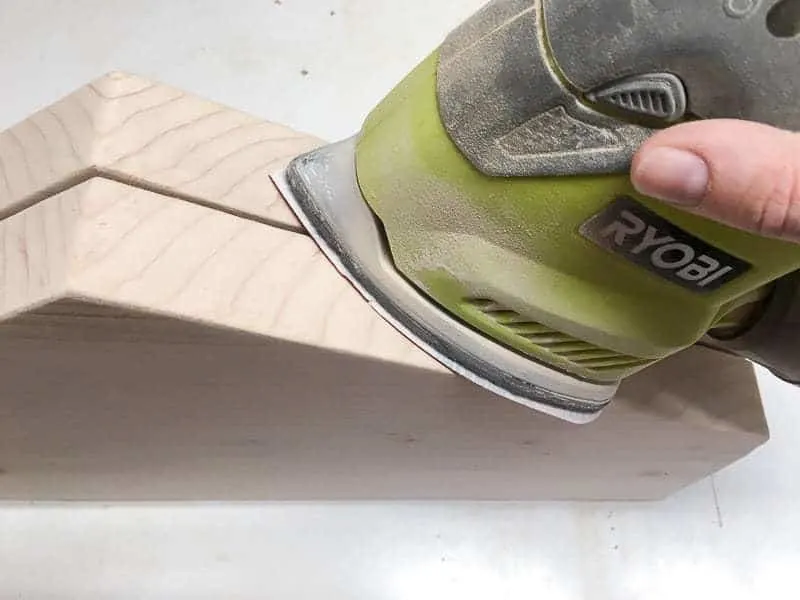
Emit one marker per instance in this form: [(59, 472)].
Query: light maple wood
[(167, 331), (126, 128)]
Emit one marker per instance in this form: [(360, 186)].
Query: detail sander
[(485, 207)]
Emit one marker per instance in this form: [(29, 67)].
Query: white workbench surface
[(735, 537)]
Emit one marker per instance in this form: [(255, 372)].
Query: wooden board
[(167, 332), (125, 128)]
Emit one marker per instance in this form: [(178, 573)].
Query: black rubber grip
[(773, 340)]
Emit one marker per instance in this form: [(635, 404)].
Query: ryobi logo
[(627, 228)]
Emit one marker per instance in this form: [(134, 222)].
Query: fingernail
[(671, 175)]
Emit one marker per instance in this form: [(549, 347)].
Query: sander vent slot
[(660, 96), (644, 101), (551, 341)]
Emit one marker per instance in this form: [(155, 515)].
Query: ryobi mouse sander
[(485, 208)]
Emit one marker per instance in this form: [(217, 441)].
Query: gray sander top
[(525, 87), (730, 61)]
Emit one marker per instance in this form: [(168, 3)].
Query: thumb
[(742, 174)]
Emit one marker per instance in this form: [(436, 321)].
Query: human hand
[(743, 174)]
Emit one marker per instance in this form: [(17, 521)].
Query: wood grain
[(168, 333), (128, 129), (241, 417), (130, 247)]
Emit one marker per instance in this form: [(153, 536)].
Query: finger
[(743, 174)]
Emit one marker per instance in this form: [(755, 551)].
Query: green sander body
[(486, 210)]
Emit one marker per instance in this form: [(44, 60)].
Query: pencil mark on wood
[(717, 508)]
